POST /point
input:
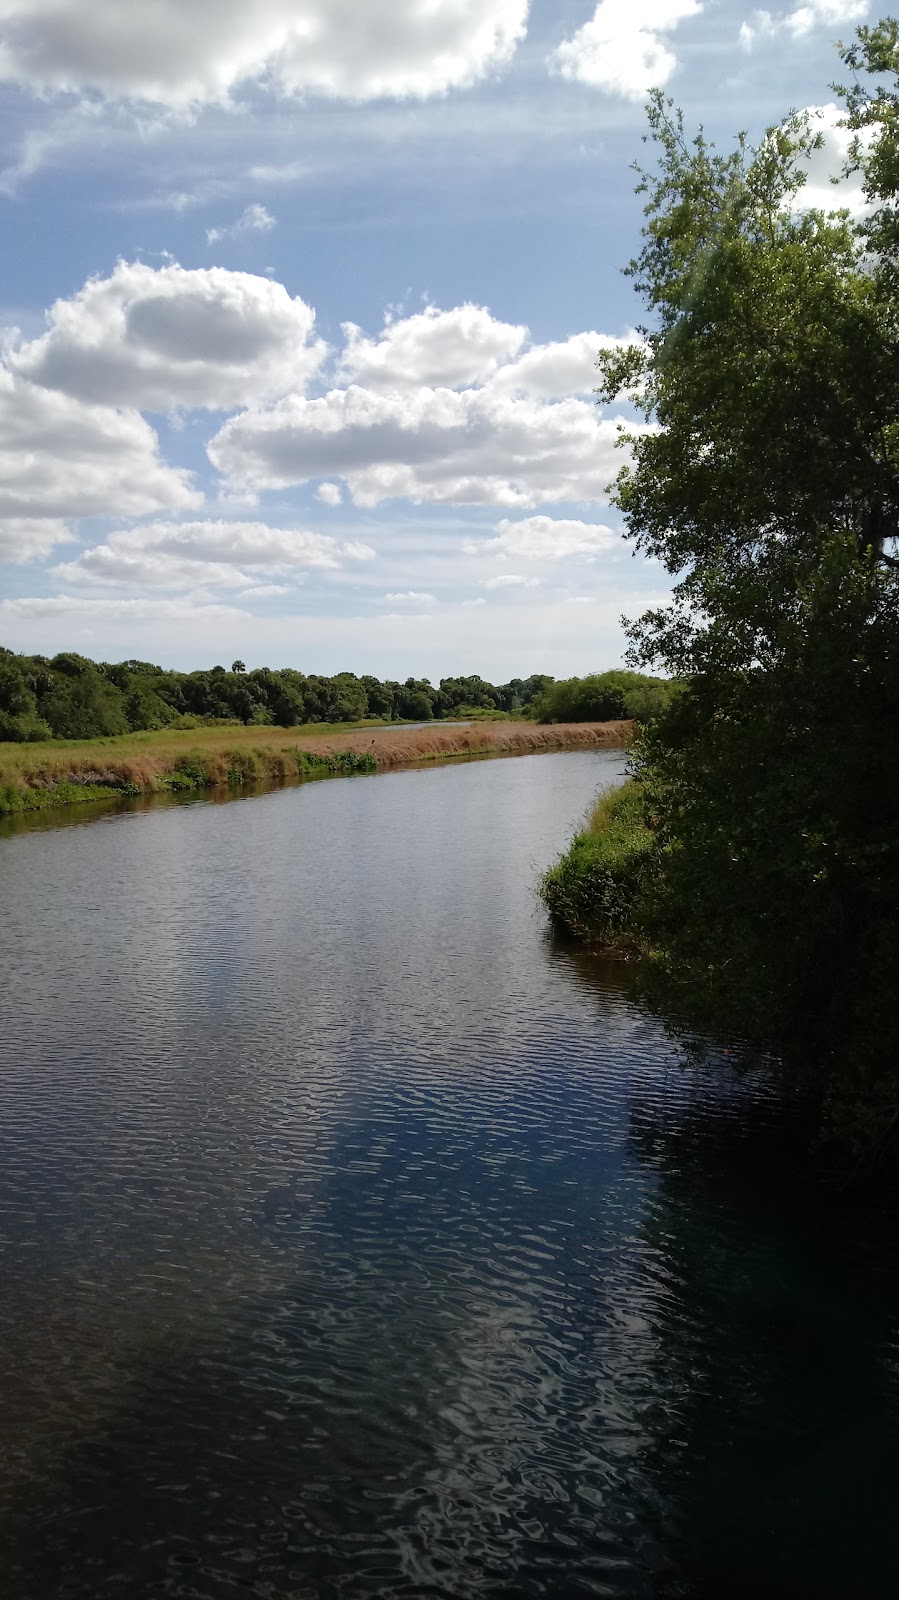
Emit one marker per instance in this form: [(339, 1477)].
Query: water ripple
[(357, 1240)]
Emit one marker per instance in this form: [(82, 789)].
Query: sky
[(300, 308)]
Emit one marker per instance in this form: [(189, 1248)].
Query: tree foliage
[(605, 697), (70, 697), (769, 488)]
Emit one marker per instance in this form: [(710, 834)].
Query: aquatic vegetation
[(339, 763)]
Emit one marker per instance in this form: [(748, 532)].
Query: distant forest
[(69, 697)]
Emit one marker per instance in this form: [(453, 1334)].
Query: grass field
[(164, 742), (58, 772)]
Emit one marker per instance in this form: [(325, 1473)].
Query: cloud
[(537, 632), (186, 55), (438, 349), (443, 406), (436, 445), (61, 458), (829, 162), (553, 371), (132, 610), (621, 49), (510, 580), (544, 539), (65, 129), (183, 555), (801, 21), (470, 604), (162, 337), (254, 219), (31, 538), (493, 431), (468, 347), (405, 618)]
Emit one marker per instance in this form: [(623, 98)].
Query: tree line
[(67, 696)]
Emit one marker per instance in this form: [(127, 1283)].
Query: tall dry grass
[(397, 747), (36, 775)]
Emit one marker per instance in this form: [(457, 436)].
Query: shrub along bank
[(596, 890), (604, 695)]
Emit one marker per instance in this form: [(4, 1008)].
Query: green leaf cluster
[(605, 697), (767, 484), (69, 697)]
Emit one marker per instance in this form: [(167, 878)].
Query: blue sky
[(301, 303)]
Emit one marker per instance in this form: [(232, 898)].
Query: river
[(359, 1239)]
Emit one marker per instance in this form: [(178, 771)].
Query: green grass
[(593, 891), (14, 800)]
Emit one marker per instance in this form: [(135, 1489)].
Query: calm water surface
[(359, 1240)]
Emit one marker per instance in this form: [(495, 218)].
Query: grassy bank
[(594, 889), (33, 776)]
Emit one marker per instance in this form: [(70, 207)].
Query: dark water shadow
[(263, 1464), (774, 1467), (242, 1466)]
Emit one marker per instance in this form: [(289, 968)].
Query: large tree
[(769, 489)]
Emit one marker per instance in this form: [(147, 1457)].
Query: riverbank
[(35, 776), (593, 891)]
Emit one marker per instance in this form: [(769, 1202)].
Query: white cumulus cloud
[(184, 555), (622, 49), (828, 163), (802, 20), (438, 445), (438, 349), (207, 554), (161, 338), (468, 347), (544, 539), (553, 371), (62, 458), (329, 494), (411, 597), (186, 54), (31, 538), (510, 580)]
